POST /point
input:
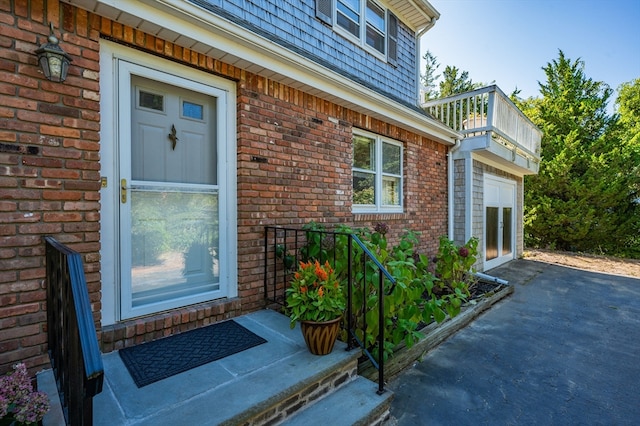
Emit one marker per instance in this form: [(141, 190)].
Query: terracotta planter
[(320, 336)]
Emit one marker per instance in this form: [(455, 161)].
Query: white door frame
[(116, 64), (500, 182)]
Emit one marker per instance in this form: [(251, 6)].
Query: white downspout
[(468, 196), (451, 186), (418, 57)]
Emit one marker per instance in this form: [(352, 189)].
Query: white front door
[(499, 221), (171, 237)]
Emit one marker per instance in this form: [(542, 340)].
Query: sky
[(508, 42)]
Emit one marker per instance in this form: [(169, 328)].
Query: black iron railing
[(73, 346), (286, 247)]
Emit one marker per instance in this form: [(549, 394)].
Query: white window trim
[(362, 39), (379, 174)]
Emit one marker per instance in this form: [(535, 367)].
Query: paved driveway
[(564, 349)]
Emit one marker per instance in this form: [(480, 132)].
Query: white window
[(364, 21), (375, 27), (377, 174)]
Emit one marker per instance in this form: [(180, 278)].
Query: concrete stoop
[(278, 382)]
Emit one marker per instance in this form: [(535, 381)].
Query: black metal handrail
[(285, 247), (73, 346)]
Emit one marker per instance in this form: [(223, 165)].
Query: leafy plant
[(419, 296), (315, 248), (315, 294), (287, 259), (454, 265)]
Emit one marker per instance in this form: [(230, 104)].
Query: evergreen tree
[(580, 200), (429, 77), (453, 83), (627, 159), (628, 106)]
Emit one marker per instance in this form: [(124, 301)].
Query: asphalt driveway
[(564, 349)]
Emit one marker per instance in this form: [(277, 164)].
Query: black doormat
[(149, 362)]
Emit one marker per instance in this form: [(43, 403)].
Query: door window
[(493, 228)]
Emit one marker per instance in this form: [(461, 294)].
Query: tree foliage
[(430, 77), (628, 104), (627, 133), (451, 82), (583, 197)]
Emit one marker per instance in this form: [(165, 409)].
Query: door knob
[(172, 137)]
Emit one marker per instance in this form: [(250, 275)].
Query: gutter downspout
[(451, 186), (418, 57), (490, 278)]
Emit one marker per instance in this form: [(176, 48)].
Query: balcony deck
[(493, 128)]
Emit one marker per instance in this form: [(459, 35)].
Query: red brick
[(59, 131), (38, 95), (12, 311)]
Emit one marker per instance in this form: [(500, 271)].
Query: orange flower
[(321, 274), (320, 291), (328, 267), (303, 289)]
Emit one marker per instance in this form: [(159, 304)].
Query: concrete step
[(356, 403), (262, 385)]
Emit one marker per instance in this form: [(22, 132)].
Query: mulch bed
[(483, 288)]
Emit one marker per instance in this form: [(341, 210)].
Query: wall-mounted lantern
[(52, 59)]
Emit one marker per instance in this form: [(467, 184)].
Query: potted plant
[(317, 301)]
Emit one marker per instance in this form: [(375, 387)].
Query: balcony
[(494, 128)]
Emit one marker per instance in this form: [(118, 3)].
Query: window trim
[(327, 12), (361, 40), (378, 207)]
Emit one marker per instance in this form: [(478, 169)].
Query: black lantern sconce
[(52, 59)]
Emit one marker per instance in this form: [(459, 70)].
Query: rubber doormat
[(149, 362)]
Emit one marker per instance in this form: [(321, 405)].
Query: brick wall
[(294, 166), (49, 168), (304, 150)]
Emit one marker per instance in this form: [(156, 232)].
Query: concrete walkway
[(564, 349)]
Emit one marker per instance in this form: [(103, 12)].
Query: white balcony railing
[(488, 110)]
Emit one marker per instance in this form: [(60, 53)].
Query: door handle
[(123, 191)]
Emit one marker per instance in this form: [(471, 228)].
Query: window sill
[(378, 216)]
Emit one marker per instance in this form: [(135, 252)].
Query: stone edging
[(434, 334)]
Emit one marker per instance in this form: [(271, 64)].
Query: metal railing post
[(318, 237), (381, 338), (76, 360)]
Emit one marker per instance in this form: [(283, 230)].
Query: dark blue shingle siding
[(292, 24)]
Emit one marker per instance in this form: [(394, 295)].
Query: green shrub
[(422, 293)]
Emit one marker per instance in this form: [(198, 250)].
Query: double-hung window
[(377, 174), (365, 21)]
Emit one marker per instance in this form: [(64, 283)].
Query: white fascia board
[(198, 24)]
